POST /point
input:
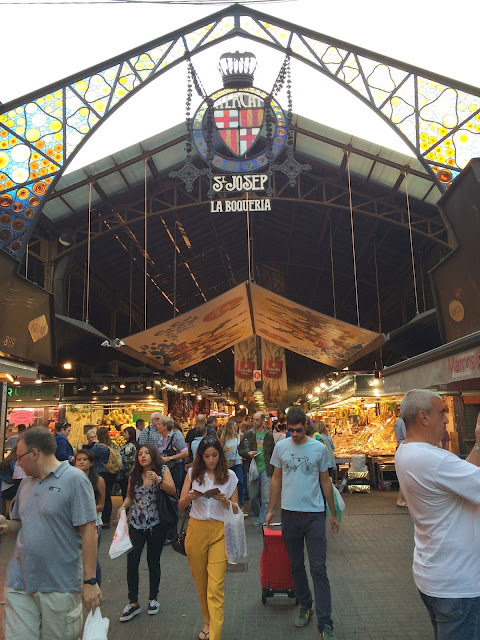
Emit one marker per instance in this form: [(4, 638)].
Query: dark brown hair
[(199, 468), (103, 437), (137, 470), (92, 474), (132, 434)]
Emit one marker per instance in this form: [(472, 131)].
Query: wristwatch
[(91, 581)]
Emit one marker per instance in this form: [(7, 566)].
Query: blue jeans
[(259, 491), (238, 471), (299, 528), (453, 618)]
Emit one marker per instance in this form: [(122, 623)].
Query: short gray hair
[(414, 402), (168, 422), (155, 414)]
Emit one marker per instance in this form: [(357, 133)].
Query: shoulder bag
[(178, 543), (167, 508)]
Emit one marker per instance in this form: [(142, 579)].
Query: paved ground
[(369, 566)]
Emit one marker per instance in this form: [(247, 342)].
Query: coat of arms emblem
[(232, 122)]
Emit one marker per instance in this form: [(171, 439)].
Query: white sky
[(48, 43)]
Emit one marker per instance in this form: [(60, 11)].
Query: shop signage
[(257, 375), (119, 388), (454, 368), (24, 392), (22, 417)]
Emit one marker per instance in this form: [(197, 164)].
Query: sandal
[(204, 635)]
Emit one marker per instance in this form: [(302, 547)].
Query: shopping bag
[(96, 627), (121, 540), (235, 539), (253, 471), (339, 503)]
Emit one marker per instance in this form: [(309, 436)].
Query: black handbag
[(167, 509), (171, 451), (178, 543)]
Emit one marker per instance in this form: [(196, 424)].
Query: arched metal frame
[(40, 133)]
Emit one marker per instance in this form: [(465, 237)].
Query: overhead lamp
[(38, 381), (157, 382), (122, 386), (310, 396), (149, 386), (16, 381), (317, 389), (199, 397), (10, 377), (241, 406), (105, 387), (67, 365), (323, 385)]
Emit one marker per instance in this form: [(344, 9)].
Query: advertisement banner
[(245, 364), (274, 371)]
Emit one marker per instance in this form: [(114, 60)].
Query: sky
[(50, 42)]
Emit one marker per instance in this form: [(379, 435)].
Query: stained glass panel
[(442, 122)]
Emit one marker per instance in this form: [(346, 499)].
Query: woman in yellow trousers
[(210, 487)]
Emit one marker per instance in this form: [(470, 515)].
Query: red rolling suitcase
[(275, 573)]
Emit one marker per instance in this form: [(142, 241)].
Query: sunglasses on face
[(291, 430)]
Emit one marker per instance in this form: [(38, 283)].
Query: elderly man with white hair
[(443, 496), (150, 435)]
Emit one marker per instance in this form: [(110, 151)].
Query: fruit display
[(119, 417), (79, 416), (117, 438)]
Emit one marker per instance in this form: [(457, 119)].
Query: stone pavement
[(369, 566)]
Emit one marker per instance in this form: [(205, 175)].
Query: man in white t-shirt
[(299, 477), (443, 495)]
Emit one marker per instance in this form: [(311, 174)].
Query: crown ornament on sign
[(237, 69)]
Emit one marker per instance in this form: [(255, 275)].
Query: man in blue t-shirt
[(300, 474)]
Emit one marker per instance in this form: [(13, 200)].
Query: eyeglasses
[(291, 430), (210, 440), (23, 454)]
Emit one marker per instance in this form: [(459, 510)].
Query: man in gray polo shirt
[(54, 516)]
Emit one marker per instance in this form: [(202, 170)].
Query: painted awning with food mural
[(248, 310)]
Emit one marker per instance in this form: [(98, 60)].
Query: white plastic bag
[(338, 498), (235, 539), (96, 627), (121, 540), (253, 471)]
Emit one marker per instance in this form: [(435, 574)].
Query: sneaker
[(327, 633), (304, 615), (129, 612), (153, 607)]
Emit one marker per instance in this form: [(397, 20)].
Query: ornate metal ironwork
[(39, 133)]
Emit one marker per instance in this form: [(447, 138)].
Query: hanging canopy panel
[(309, 333), (198, 334), (251, 310)]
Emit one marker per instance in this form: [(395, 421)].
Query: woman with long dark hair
[(84, 460), (210, 486), (129, 453), (147, 478), (104, 439)]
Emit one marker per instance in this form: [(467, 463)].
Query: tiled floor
[(369, 566)]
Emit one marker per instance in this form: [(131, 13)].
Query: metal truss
[(171, 198), (39, 133)]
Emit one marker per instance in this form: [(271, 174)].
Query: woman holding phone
[(147, 479), (210, 487)]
